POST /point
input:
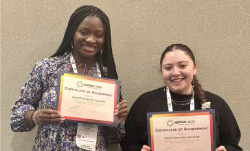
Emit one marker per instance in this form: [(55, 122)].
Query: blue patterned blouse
[(41, 89)]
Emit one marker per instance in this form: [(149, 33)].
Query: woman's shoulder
[(146, 99), (209, 94), (150, 95), (155, 92), (52, 61), (215, 99)]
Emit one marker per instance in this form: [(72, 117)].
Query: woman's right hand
[(145, 148), (47, 116)]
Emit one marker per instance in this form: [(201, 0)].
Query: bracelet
[(33, 116), (33, 111)]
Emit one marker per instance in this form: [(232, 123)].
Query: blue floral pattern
[(40, 89)]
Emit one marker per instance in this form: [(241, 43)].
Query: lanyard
[(73, 63), (169, 101), (87, 132)]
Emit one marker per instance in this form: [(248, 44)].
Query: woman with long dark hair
[(86, 49)]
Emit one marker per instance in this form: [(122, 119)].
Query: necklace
[(91, 70), (169, 100), (176, 102), (81, 64)]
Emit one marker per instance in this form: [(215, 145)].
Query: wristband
[(33, 116)]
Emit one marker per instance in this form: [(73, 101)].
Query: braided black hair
[(106, 58)]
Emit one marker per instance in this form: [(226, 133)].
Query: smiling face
[(178, 70), (89, 37)]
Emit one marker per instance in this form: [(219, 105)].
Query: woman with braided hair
[(179, 70), (85, 49)]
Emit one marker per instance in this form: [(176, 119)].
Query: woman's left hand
[(121, 111), (221, 148)]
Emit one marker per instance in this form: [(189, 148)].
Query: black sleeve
[(228, 129), (135, 127)]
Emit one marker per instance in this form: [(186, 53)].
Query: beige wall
[(218, 32)]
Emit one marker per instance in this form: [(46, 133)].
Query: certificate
[(88, 99), (182, 131)]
